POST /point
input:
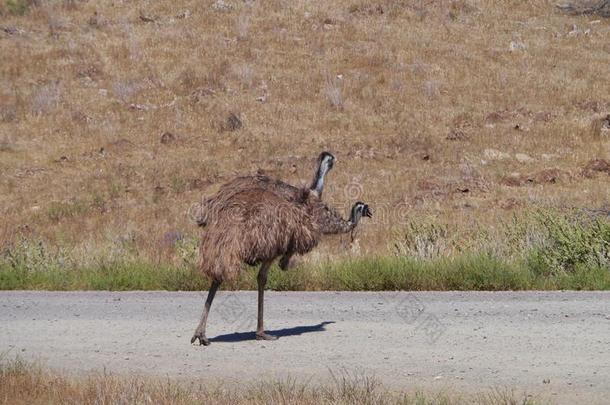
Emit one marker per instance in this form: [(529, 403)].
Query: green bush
[(569, 241)]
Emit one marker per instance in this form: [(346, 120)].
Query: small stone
[(523, 158), (233, 123), (493, 154), (221, 5), (456, 135), (516, 46), (167, 138), (146, 18), (548, 156), (13, 31)]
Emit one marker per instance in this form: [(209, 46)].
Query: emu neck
[(318, 180), (353, 219)]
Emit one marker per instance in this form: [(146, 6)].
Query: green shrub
[(568, 241)]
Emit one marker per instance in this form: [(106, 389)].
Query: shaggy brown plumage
[(213, 205), (257, 226)]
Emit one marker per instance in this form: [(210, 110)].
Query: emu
[(213, 205), (256, 226)]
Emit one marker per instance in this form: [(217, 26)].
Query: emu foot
[(203, 341), (264, 336)]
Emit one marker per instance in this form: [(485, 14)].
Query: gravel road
[(553, 345)]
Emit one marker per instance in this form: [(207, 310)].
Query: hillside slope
[(115, 117)]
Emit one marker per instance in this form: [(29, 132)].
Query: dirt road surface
[(553, 345)]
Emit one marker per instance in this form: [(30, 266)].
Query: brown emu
[(219, 201), (257, 226)]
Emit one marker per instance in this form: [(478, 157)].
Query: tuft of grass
[(26, 383), (58, 210)]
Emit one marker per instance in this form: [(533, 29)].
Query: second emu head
[(360, 210)]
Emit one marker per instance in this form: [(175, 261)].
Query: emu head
[(360, 210)]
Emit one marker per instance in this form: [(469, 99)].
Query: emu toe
[(203, 341), (264, 336)]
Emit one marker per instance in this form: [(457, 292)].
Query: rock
[(167, 138), (13, 30), (456, 135), (221, 5), (595, 166), (146, 18), (493, 154), (233, 123), (523, 158), (517, 46), (546, 176), (94, 20), (543, 116), (548, 156)]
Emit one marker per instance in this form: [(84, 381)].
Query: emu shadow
[(297, 330)]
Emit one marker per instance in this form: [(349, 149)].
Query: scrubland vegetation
[(538, 250), (477, 130), (24, 383)]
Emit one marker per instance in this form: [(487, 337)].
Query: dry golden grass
[(433, 108), (25, 384)]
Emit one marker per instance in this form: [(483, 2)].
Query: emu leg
[(285, 260), (262, 280), (200, 331)]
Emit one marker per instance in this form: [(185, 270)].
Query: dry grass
[(463, 110), (23, 383)]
